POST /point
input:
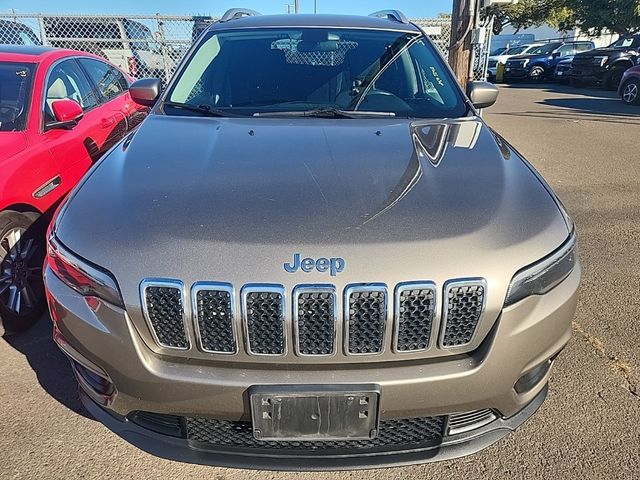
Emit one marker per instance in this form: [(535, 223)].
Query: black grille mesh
[(316, 323), (398, 434), (367, 321), (166, 313), (415, 318), (265, 322), (463, 312), (215, 319)]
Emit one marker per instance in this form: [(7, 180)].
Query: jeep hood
[(233, 199)]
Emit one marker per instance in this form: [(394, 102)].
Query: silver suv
[(313, 254)]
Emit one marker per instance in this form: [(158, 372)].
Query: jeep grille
[(315, 320), (263, 311), (164, 310), (213, 309), (369, 322), (465, 302)]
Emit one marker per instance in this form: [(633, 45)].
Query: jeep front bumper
[(526, 338)]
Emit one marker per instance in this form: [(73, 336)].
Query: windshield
[(545, 49), (248, 72), (498, 51), (15, 91), (516, 50), (626, 42)]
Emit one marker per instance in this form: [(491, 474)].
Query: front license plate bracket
[(315, 412)]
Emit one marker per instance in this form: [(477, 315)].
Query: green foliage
[(528, 13), (594, 16)]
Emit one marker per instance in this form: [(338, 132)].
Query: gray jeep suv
[(313, 254)]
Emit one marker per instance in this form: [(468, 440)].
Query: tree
[(595, 16), (528, 13)]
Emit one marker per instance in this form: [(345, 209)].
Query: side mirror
[(145, 91), (67, 113), (556, 54), (482, 94)]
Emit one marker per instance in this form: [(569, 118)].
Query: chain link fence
[(143, 45)]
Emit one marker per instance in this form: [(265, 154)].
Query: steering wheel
[(6, 109)]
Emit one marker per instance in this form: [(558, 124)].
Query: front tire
[(22, 251), (614, 78), (631, 92), (536, 74)]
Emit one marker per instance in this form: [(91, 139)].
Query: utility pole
[(296, 6), (462, 25)]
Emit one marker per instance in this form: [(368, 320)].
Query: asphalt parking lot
[(586, 144)]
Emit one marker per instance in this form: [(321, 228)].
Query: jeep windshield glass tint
[(15, 91), (248, 72)]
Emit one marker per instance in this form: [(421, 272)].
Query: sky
[(412, 8)]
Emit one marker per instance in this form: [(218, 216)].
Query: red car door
[(74, 150), (113, 86)]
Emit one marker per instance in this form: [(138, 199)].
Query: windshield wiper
[(328, 112), (202, 109)]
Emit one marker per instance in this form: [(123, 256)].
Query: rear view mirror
[(67, 114), (145, 91), (482, 94)]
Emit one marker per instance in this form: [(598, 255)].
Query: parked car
[(606, 66), (562, 73), (128, 44), (539, 64), (16, 33), (60, 110), (629, 89), (313, 254), (502, 58)]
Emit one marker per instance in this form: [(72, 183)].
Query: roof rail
[(395, 15), (235, 13)]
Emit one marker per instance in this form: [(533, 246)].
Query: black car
[(606, 66), (540, 64)]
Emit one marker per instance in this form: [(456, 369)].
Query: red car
[(629, 89), (60, 110)]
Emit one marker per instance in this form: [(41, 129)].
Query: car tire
[(22, 252), (614, 78), (630, 92), (536, 74)]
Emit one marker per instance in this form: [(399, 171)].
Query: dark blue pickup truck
[(539, 64)]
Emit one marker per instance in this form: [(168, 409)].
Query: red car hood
[(11, 143)]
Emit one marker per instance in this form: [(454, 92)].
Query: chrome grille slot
[(365, 319), (263, 313), (213, 309), (464, 302), (464, 422), (164, 310), (314, 320), (414, 315)]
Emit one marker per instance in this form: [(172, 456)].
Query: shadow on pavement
[(49, 364), (597, 106)]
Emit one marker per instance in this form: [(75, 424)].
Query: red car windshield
[(15, 92)]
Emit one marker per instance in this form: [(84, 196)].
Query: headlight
[(88, 280), (600, 60), (542, 276)]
